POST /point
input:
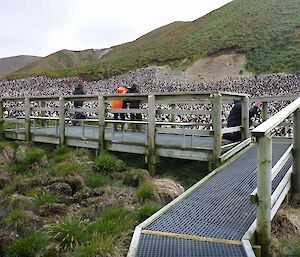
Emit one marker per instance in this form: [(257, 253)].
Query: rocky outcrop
[(60, 188), (21, 202), (4, 180), (286, 223), (165, 190), (27, 224), (7, 155), (76, 182), (135, 177), (48, 209)]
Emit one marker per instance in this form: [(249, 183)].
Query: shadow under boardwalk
[(212, 220)]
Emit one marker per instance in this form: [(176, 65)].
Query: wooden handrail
[(276, 119)]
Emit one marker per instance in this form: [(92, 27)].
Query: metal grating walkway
[(154, 246), (219, 209)]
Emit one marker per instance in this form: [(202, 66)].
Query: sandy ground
[(212, 68)]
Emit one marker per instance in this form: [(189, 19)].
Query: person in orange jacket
[(119, 104)]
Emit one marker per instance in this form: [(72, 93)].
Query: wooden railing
[(268, 203), (31, 113)]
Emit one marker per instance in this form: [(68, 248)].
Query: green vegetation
[(26, 159), (64, 169), (109, 163), (68, 234), (19, 168), (266, 31), (187, 172), (97, 180), (115, 222), (29, 246), (8, 190), (61, 60), (145, 191), (99, 246), (288, 247), (146, 210), (71, 203), (48, 197), (4, 144), (33, 155), (16, 217)]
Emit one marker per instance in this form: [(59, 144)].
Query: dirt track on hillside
[(211, 68)]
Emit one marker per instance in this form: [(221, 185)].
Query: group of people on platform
[(131, 104), (234, 118), (115, 105)]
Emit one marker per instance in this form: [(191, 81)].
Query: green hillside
[(267, 31), (12, 64), (61, 60)]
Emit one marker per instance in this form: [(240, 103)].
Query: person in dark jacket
[(78, 91), (134, 104), (235, 120), (77, 103)]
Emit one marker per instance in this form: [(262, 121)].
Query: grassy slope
[(11, 64), (268, 31), (61, 60)]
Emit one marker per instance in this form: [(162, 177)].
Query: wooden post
[(61, 121), (264, 189), (245, 118), (27, 119), (217, 126), (1, 120), (264, 113), (101, 123), (296, 155), (151, 158)]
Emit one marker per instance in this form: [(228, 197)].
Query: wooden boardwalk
[(28, 119)]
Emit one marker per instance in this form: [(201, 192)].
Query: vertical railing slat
[(217, 127), (27, 119), (296, 154), (101, 123), (264, 112), (264, 189), (61, 121), (245, 118), (151, 158)]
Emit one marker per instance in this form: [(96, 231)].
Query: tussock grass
[(100, 246), (146, 210), (33, 155), (109, 163), (29, 246), (145, 190), (8, 190), (60, 153), (16, 217), (66, 168), (47, 197), (97, 180), (115, 222), (68, 234)]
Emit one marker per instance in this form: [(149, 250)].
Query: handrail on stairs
[(264, 197)]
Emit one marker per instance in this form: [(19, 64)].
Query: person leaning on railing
[(119, 104), (78, 103), (235, 120)]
